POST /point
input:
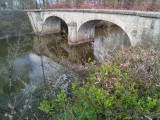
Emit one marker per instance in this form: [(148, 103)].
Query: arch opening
[(54, 24), (107, 37)]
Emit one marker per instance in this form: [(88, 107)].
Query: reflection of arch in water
[(54, 24)]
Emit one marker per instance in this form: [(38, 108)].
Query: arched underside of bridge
[(54, 24), (107, 36)]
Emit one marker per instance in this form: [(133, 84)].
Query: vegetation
[(14, 23), (27, 4), (127, 87)]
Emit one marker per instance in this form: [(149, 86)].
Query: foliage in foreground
[(125, 87)]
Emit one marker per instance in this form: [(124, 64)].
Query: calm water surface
[(25, 66)]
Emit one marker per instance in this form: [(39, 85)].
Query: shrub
[(127, 87)]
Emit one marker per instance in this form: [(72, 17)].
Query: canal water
[(21, 62)]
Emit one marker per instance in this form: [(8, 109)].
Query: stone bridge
[(84, 25)]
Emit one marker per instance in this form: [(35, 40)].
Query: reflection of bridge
[(82, 23)]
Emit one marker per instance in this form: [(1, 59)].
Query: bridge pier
[(72, 33)]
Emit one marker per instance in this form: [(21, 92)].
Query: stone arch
[(87, 31), (54, 24), (106, 36)]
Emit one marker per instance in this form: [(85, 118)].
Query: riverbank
[(14, 23)]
